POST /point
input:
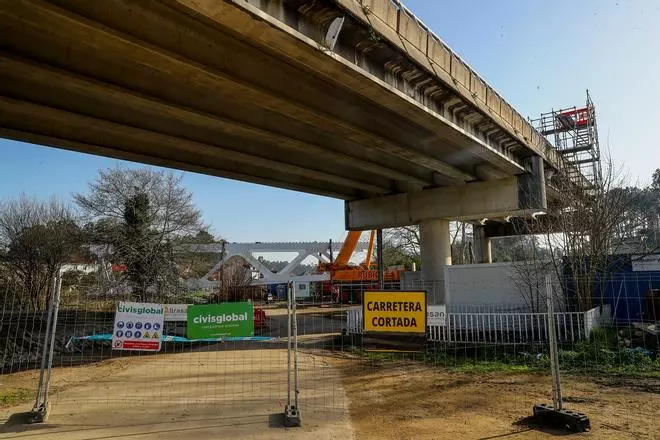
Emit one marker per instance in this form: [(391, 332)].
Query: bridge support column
[(481, 245), (436, 254)]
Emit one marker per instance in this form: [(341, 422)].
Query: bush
[(598, 355), (71, 278), (194, 297), (604, 337)]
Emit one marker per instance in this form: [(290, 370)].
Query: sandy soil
[(412, 401), (228, 394), (239, 394)]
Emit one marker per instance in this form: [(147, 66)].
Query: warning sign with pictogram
[(130, 320)]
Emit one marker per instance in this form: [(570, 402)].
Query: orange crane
[(341, 271)]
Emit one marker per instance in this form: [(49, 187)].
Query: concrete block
[(412, 31), (460, 71), (506, 113), (472, 201), (439, 54), (527, 131), (389, 210), (292, 417), (477, 87), (483, 284), (517, 121), (384, 11), (493, 100)]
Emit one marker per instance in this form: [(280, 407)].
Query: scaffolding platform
[(574, 134)]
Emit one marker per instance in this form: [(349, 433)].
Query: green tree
[(190, 254), (138, 249)]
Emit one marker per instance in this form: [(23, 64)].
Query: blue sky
[(537, 54)]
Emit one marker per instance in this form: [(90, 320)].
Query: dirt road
[(310, 322), (239, 394), (204, 395)]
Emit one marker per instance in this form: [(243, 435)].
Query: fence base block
[(291, 416), (546, 415), (39, 415)]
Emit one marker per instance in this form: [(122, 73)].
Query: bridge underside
[(212, 87)]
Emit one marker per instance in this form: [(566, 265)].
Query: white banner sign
[(436, 315), (646, 264), (138, 327), (176, 312)]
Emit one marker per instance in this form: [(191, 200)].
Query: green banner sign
[(220, 320)]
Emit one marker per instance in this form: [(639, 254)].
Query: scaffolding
[(574, 133)]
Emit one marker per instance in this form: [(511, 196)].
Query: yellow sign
[(394, 312)]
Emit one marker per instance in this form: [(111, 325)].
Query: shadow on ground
[(20, 422), (531, 424)]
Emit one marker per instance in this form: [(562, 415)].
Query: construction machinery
[(348, 280)]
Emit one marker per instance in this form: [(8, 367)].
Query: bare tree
[(138, 213), (584, 226), (531, 262), (36, 238), (172, 211), (402, 245), (461, 242), (236, 282)]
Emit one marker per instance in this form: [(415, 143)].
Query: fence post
[(44, 351), (554, 355), (588, 323), (41, 407), (291, 413), (52, 336), (555, 414), (288, 343), (295, 358)]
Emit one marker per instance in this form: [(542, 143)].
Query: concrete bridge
[(350, 99)]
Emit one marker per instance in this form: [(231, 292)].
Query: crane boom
[(370, 251), (348, 248), (342, 274)]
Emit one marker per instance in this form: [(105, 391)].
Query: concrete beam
[(152, 159), (542, 224), (532, 185), (479, 200), (117, 134), (17, 70), (66, 26)]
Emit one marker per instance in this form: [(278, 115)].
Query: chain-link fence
[(242, 376), (614, 341)]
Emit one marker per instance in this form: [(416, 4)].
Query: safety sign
[(396, 312), (132, 324)]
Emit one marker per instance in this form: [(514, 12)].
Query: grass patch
[(15, 397), (492, 367), (600, 356)]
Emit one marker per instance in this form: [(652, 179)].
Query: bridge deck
[(224, 88)]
